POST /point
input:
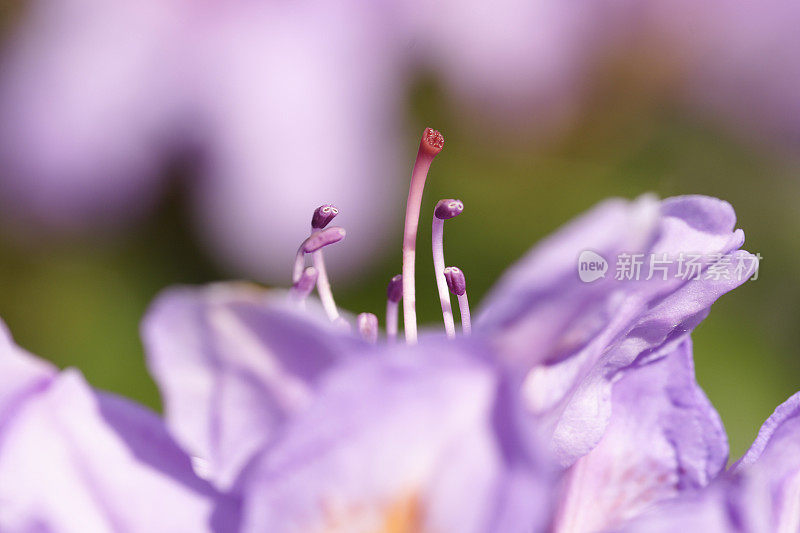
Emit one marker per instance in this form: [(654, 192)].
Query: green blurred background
[(79, 303)]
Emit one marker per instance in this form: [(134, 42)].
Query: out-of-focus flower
[(511, 62), (744, 66), (75, 460), (285, 103), (732, 62), (758, 493)]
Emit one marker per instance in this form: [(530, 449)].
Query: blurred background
[(145, 143)]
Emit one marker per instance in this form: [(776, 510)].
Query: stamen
[(323, 216), (457, 284), (322, 238), (430, 145), (445, 210), (324, 287), (368, 327), (318, 239), (303, 287), (394, 293)]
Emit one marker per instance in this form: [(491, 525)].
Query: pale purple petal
[(71, 460), (729, 505), (232, 367), (541, 311), (574, 396), (663, 438), (21, 375), (408, 440), (774, 458)]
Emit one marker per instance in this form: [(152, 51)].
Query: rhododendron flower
[(316, 424)]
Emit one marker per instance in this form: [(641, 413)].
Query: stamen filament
[(324, 287), (303, 287), (394, 293), (441, 283), (445, 209), (457, 283), (463, 306), (392, 320), (430, 145), (299, 263)]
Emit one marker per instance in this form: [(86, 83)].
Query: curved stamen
[(394, 293), (303, 287), (323, 215), (430, 145), (445, 210), (368, 327), (313, 244), (457, 284)]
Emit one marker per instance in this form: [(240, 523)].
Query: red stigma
[(432, 141)]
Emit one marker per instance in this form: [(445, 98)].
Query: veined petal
[(72, 460), (774, 458), (577, 338), (232, 367), (406, 441), (541, 311), (663, 438)]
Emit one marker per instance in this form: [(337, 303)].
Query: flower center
[(401, 287)]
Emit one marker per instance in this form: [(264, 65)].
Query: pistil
[(445, 210), (430, 145), (457, 284)]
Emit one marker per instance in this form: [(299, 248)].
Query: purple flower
[(758, 493), (288, 407), (283, 104), (74, 459)]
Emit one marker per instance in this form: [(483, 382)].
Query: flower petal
[(72, 460), (541, 311), (774, 458), (574, 397), (21, 374), (232, 367), (663, 438), (406, 441)]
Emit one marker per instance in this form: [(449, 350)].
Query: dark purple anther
[(448, 208), (394, 291), (456, 281), (322, 238), (368, 327), (323, 216)]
